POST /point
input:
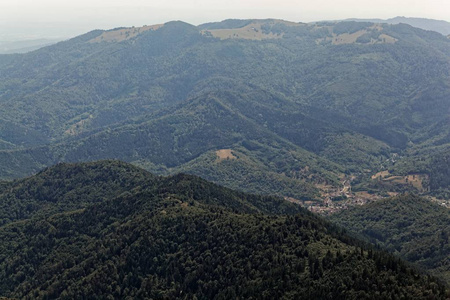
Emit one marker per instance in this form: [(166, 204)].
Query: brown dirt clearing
[(225, 154), (123, 34), (252, 31)]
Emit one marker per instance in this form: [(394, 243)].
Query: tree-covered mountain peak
[(65, 187), (73, 186)]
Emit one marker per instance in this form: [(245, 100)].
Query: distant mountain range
[(264, 106), (443, 27), (24, 46)]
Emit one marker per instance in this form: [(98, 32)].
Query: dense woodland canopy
[(183, 237), (411, 227)]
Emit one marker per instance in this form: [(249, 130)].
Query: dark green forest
[(183, 237), (409, 226)]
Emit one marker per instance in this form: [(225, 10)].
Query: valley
[(336, 199)]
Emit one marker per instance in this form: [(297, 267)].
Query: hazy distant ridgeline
[(23, 46), (443, 27)]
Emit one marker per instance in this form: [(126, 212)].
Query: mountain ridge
[(441, 26), (339, 95)]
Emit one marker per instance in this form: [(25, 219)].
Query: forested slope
[(409, 226), (180, 237)]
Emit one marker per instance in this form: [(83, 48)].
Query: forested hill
[(409, 226), (67, 187), (182, 237), (294, 104)]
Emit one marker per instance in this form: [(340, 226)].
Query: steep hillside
[(411, 227), (181, 236)]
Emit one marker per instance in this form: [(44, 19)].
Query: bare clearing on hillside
[(252, 31), (416, 180), (381, 174), (122, 34), (352, 38), (347, 38), (225, 154), (79, 126), (387, 39)]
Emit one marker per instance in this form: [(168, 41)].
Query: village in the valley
[(336, 199)]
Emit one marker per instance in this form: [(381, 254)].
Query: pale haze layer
[(22, 19)]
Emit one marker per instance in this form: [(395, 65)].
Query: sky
[(27, 19)]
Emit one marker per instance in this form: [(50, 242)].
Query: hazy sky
[(63, 18)]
